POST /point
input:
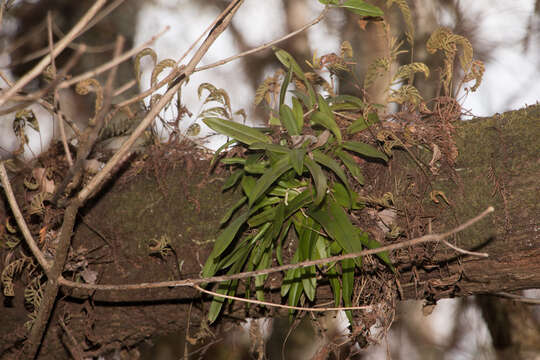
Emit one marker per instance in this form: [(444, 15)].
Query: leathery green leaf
[(320, 118), (301, 200), (330, 163), (232, 209), (288, 61), (297, 160), (364, 150), (318, 177), (361, 7), (217, 302), (306, 245), (240, 132), (278, 149), (219, 150), (351, 165), (361, 123), (298, 113), (371, 243), (232, 179), (347, 279), (289, 277), (279, 242), (248, 183), (337, 225), (287, 119), (259, 280), (284, 87), (265, 181), (222, 242)]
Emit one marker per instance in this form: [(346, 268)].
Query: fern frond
[(407, 17), (162, 65), (137, 61), (406, 93)]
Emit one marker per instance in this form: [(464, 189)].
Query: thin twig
[(60, 46), (248, 274), (518, 298), (20, 220), (265, 303), (264, 46), (111, 64)]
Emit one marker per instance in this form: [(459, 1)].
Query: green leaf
[(337, 225), (265, 181), (233, 161), (232, 179), (324, 120), (371, 243), (351, 165), (217, 302), (349, 99), (364, 150), (297, 160), (284, 87), (318, 177), (361, 124), (222, 242), (347, 279), (330, 163), (329, 2), (343, 196), (277, 149), (288, 279), (303, 97), (261, 218), (360, 7), (242, 133), (303, 199), (279, 242), (219, 150), (298, 113), (255, 164), (248, 183), (231, 210), (259, 280), (288, 61), (287, 119)]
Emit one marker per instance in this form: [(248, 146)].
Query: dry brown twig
[(247, 274)]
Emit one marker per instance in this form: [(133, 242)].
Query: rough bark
[(497, 165)]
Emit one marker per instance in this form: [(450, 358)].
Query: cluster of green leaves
[(294, 187)]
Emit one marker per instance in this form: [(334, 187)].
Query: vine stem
[(195, 282)]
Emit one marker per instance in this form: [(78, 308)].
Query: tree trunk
[(175, 200)]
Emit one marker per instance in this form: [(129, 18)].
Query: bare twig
[(29, 76), (303, 264), (73, 346), (20, 220), (265, 303), (111, 64), (264, 46), (518, 298)]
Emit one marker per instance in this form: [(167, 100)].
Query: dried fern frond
[(8, 274), (269, 88), (376, 69), (158, 69), (476, 73), (406, 93), (137, 61), (407, 71), (407, 17), (443, 39)]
